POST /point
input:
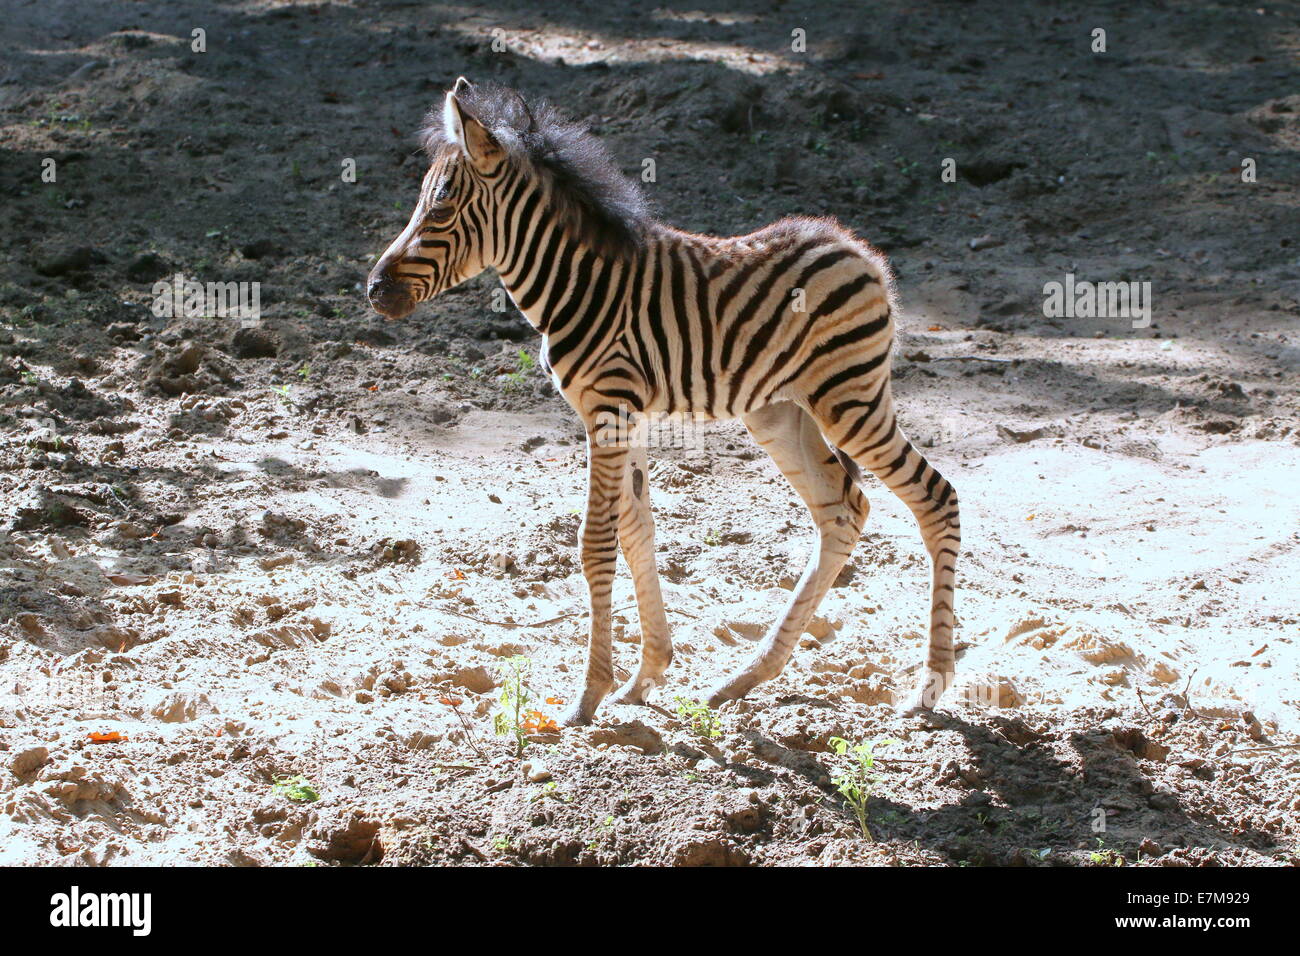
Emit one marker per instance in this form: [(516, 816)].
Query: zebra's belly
[(714, 399)]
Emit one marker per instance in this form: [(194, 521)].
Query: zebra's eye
[(442, 212)]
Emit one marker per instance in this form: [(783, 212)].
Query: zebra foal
[(788, 328)]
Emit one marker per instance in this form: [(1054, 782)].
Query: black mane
[(591, 191)]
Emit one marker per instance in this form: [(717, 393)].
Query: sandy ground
[(288, 564)]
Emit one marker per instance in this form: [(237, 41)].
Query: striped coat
[(788, 328)]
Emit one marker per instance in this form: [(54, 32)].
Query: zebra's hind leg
[(636, 533), (839, 509), (598, 541), (858, 418)]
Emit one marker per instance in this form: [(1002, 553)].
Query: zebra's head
[(447, 240)]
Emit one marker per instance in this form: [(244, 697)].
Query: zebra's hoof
[(920, 707), (737, 688), (926, 697), (637, 690), (723, 694), (630, 695), (913, 706), (576, 716)]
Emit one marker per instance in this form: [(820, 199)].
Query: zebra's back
[(716, 327)]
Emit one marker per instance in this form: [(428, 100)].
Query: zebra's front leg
[(599, 545), (636, 533), (839, 509)]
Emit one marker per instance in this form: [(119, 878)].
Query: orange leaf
[(450, 701), (555, 701), (935, 328), (108, 737), (537, 722)]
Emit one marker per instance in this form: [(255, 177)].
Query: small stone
[(535, 772), (635, 734), (29, 760), (1020, 436), (745, 819), (1163, 801), (79, 259), (820, 627), (181, 707), (261, 249), (147, 267), (479, 680), (254, 342)]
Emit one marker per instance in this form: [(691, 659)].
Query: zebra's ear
[(466, 131)]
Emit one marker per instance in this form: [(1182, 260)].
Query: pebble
[(535, 771)]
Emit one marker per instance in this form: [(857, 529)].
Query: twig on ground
[(122, 504), (1142, 701), (1187, 699), (469, 730), (513, 625), (1246, 750), (472, 849)]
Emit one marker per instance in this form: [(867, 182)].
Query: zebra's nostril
[(388, 296)]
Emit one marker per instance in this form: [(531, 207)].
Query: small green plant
[(700, 716), (295, 788), (516, 695), (304, 373), (854, 775), (525, 365), (551, 790), (712, 538), (501, 843), (604, 828), (1103, 856)]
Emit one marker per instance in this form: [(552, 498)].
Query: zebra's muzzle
[(388, 296)]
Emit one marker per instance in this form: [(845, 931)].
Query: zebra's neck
[(559, 280)]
